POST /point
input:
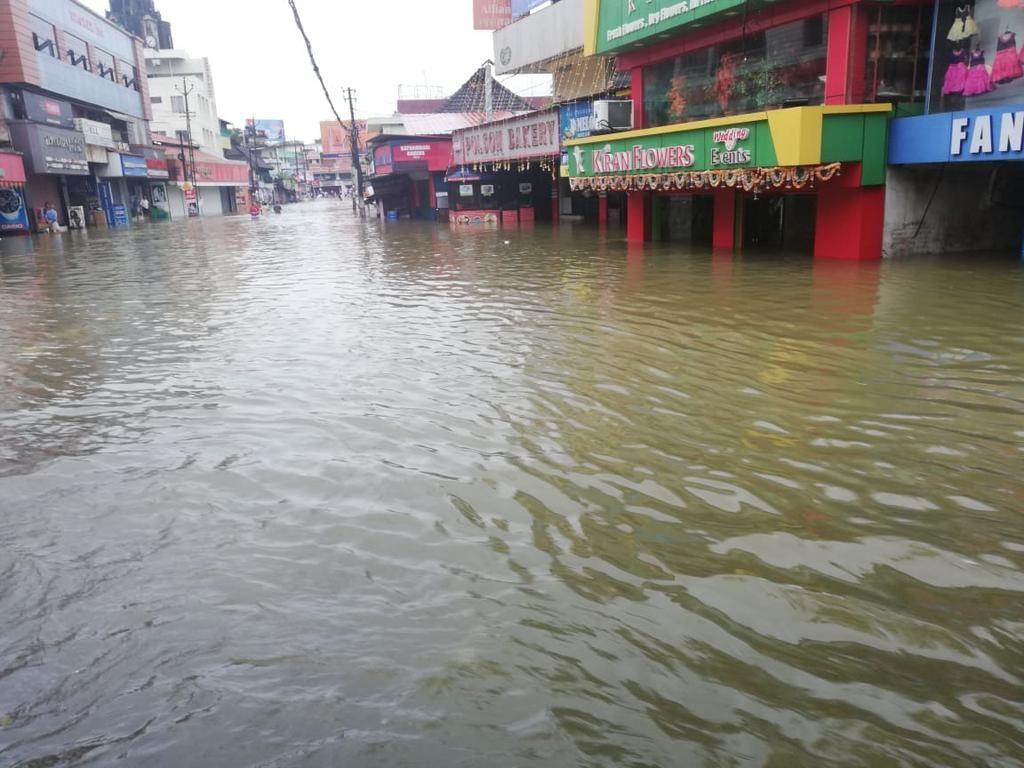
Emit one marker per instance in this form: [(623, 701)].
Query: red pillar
[(636, 217), (846, 57), (723, 230), (637, 91), (602, 211), (849, 222)]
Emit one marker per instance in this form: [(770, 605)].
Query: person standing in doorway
[(50, 216), (144, 207)]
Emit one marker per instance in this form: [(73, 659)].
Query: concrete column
[(637, 90), (556, 208), (636, 217), (723, 230), (847, 54), (849, 222)]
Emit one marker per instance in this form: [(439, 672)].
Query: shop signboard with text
[(51, 150), (134, 166), (621, 23), (47, 110), (576, 119), (703, 149), (435, 154), (96, 134), (517, 138), (979, 135), (491, 14)]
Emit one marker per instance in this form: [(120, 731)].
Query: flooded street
[(308, 492)]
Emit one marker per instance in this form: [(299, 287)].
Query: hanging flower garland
[(748, 179)]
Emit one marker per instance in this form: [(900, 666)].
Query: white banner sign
[(97, 134), (518, 138)]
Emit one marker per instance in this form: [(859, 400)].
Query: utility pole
[(356, 159), (186, 90)]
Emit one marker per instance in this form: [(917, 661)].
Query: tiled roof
[(446, 122)]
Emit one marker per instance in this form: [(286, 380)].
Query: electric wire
[(312, 60)]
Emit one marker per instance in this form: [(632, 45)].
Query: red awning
[(210, 170), (12, 169)]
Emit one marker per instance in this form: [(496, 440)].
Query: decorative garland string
[(748, 179)]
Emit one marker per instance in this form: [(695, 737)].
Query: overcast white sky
[(261, 68)]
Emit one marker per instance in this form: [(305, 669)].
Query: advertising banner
[(120, 215), (134, 165), (337, 139), (576, 119), (522, 7), (156, 168), (518, 138), (272, 129), (491, 14), (13, 211), (382, 160), (624, 22), (43, 109)]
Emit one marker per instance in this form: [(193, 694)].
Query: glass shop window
[(104, 64), (779, 67), (978, 60), (897, 55), (76, 52), (44, 35), (129, 75)]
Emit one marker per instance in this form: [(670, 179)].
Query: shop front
[(218, 188), (51, 155), (118, 182), (796, 74), (408, 175), (576, 121), (956, 175), (14, 213), (157, 175), (804, 177), (506, 171)]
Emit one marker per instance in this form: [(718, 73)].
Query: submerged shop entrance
[(777, 221), (683, 219)]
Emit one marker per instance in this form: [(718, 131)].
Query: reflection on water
[(309, 492)]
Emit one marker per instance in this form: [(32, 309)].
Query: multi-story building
[(754, 125), (75, 109), (184, 117), (183, 97)]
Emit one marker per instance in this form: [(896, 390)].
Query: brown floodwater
[(311, 492)]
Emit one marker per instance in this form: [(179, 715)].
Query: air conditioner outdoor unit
[(610, 116)]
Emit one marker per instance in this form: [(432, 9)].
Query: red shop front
[(408, 175)]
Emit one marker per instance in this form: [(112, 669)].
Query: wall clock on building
[(150, 41)]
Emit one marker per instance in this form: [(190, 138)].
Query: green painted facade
[(848, 138), (622, 23), (758, 145)]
